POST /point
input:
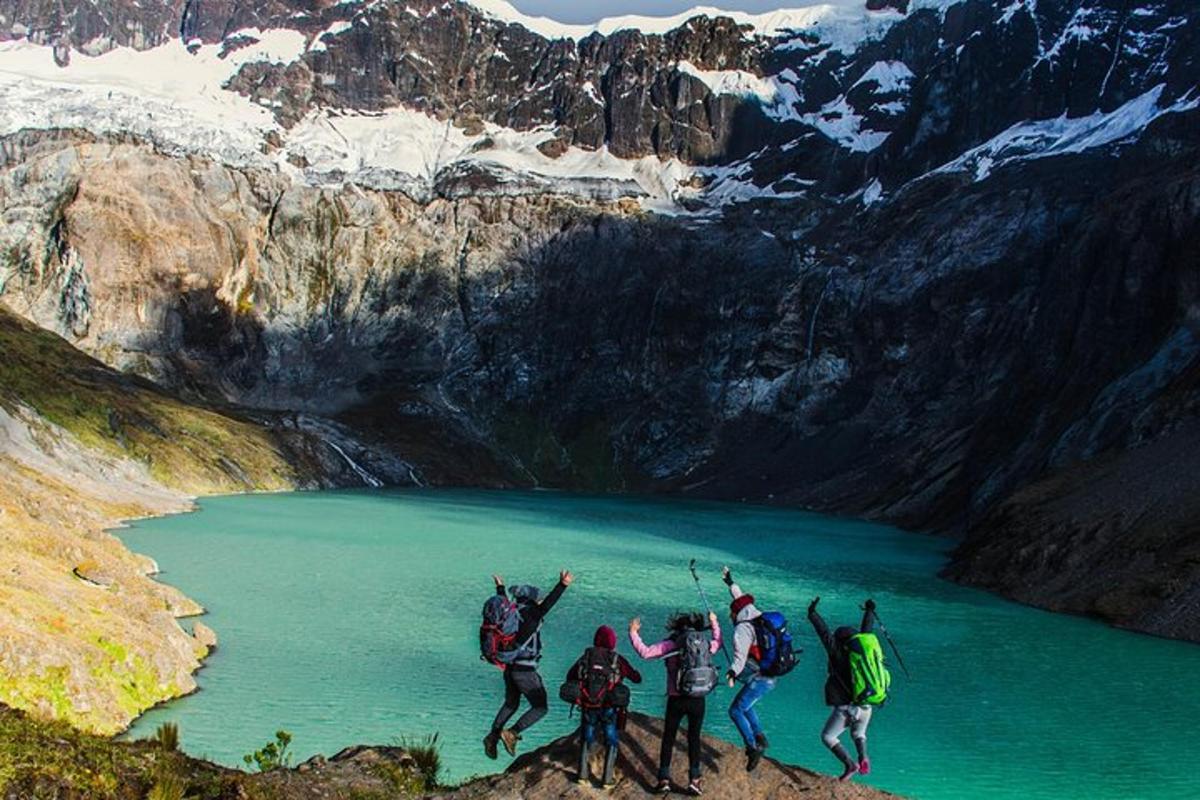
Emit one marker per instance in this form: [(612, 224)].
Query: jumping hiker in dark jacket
[(679, 705), (610, 718), (521, 678), (839, 694)]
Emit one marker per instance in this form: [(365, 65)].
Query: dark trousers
[(679, 707), (520, 683)]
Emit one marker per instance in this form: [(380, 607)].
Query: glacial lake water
[(352, 617)]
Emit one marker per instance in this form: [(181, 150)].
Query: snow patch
[(333, 31), (1050, 137), (175, 99), (839, 121), (840, 24), (777, 96), (889, 76), (872, 193)]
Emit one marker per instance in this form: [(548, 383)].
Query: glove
[(869, 605), (727, 576), (812, 607)]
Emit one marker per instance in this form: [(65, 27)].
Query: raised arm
[(648, 651), (534, 614), (564, 581), (822, 629), (715, 626), (868, 620), (500, 590), (734, 589)]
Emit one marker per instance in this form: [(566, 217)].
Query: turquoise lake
[(352, 617)]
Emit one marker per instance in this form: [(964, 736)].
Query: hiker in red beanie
[(745, 669), (595, 684)]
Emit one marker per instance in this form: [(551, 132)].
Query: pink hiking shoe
[(864, 767)]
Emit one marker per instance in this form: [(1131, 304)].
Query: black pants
[(518, 683), (679, 707)]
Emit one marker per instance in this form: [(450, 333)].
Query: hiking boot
[(761, 740), (693, 787), (850, 772), (510, 739), (489, 746), (663, 787), (864, 767), (753, 756)]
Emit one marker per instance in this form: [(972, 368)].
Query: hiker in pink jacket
[(688, 654)]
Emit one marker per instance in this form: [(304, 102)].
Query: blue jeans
[(594, 718), (742, 710)]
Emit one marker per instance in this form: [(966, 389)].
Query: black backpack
[(599, 683), (696, 676)]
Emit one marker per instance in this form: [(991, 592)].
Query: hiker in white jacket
[(745, 669)]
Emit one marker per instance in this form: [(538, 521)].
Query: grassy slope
[(47, 759), (84, 448), (192, 449)]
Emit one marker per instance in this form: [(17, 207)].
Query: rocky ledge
[(40, 759), (549, 772)]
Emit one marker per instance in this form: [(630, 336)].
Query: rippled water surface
[(350, 617)]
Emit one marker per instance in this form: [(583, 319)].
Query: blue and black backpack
[(777, 655)]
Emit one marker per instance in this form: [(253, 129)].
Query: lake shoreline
[(945, 573)]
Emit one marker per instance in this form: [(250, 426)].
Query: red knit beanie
[(605, 637), (740, 602)]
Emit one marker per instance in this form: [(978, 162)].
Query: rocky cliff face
[(899, 263)]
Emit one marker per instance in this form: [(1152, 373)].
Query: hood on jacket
[(605, 637), (743, 609), (525, 594)]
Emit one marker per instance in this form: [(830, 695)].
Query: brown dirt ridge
[(549, 772)]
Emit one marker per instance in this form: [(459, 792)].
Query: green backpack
[(869, 676)]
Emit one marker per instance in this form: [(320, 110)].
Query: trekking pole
[(891, 641), (707, 607)]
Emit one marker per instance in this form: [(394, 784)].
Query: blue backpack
[(777, 655)]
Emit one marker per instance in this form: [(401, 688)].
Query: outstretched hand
[(726, 575), (712, 619), (499, 579), (869, 605), (566, 578), (812, 607), (635, 625)]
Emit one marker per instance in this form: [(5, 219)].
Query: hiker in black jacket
[(601, 669), (521, 677), (839, 694)]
